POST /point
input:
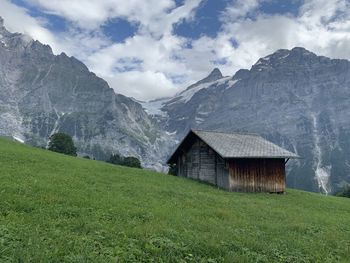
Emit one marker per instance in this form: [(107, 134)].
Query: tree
[(345, 192), (115, 159), (132, 162), (62, 143)]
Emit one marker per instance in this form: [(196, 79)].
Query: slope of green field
[(55, 208)]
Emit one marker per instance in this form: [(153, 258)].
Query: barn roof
[(237, 145)]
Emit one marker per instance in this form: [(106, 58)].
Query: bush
[(115, 159), (132, 162), (86, 157), (345, 192), (125, 161), (62, 143)]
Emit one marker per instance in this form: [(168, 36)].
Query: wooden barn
[(232, 161)]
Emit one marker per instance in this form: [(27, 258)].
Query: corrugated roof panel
[(237, 145)]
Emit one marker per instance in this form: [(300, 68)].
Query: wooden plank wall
[(193, 161), (200, 162), (222, 173), (257, 175), (207, 168), (181, 166)]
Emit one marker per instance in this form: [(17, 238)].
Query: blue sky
[(155, 48)]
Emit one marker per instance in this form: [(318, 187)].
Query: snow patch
[(154, 107), (18, 139), (55, 127), (199, 120), (2, 41), (203, 113), (285, 56), (322, 173), (262, 61), (187, 95), (170, 133), (232, 82)]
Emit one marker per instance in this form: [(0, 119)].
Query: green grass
[(55, 208)]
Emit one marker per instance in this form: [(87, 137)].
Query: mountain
[(41, 94), (294, 98)]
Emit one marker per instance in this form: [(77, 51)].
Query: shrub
[(62, 143), (125, 161), (132, 162), (115, 159)]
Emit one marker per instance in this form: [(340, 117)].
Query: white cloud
[(152, 83), (146, 65), (153, 15), (73, 42), (239, 9), (16, 19)]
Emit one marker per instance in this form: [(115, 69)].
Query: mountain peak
[(216, 73), (296, 55), (299, 51), (302, 51)]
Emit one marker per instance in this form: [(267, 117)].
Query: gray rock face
[(41, 94), (294, 98)]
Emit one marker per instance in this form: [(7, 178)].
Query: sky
[(149, 49)]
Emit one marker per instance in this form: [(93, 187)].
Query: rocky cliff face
[(42, 94), (294, 98)]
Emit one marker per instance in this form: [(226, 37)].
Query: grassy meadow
[(55, 208)]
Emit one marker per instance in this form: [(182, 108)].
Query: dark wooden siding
[(207, 167), (202, 163), (257, 175), (181, 166), (222, 173), (193, 161)]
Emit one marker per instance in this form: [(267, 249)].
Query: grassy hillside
[(55, 208)]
